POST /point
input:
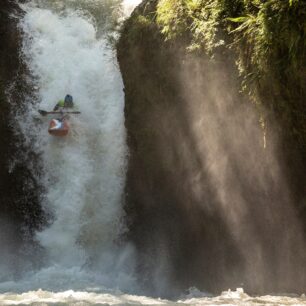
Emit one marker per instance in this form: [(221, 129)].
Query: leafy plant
[(268, 37)]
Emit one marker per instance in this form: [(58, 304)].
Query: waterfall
[(67, 51)]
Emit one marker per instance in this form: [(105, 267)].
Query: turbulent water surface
[(67, 50), (237, 297), (82, 258)]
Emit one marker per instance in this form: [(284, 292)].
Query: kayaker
[(66, 103)]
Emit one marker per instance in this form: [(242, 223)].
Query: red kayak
[(58, 127)]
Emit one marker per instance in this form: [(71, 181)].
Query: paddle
[(45, 113)]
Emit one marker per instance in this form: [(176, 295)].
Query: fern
[(268, 37)]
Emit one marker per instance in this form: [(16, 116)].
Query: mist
[(247, 189), (208, 199)]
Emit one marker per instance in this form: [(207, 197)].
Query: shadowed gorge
[(208, 201), (180, 178)]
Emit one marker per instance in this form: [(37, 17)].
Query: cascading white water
[(84, 173)]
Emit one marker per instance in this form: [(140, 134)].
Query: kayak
[(58, 127)]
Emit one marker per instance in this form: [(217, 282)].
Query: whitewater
[(84, 258), (83, 174)]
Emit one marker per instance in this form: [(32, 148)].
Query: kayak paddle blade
[(42, 112)]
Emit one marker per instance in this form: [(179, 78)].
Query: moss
[(269, 40), (138, 28), (162, 38)]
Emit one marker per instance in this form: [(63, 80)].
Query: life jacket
[(65, 104), (61, 103)]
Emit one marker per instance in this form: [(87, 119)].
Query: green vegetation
[(268, 38), (139, 27)]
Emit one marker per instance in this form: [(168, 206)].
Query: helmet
[(68, 101)]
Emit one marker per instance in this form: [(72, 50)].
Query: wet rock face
[(20, 211), (179, 244), (9, 63), (214, 225)]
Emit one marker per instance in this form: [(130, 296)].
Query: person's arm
[(59, 104)]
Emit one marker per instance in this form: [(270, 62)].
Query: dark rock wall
[(182, 112), (172, 232), (20, 212)]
